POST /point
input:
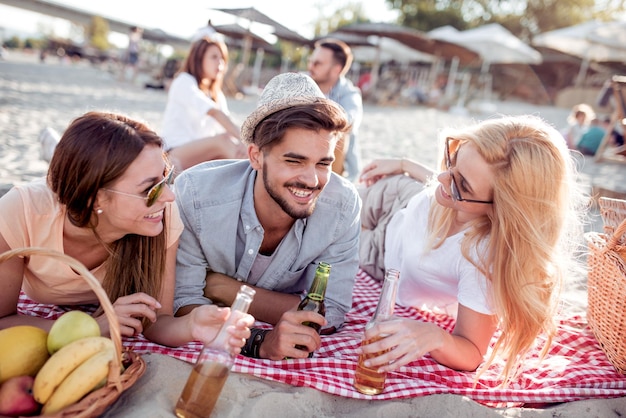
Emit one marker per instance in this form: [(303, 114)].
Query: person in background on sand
[(107, 203), (197, 125), (486, 239), (269, 220), (131, 60), (578, 123), (330, 61), (590, 141)]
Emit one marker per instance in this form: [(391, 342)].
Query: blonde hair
[(531, 235)]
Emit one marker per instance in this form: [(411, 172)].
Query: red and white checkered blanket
[(574, 369)]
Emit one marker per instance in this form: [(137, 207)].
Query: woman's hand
[(206, 320), (380, 168), (405, 340), (130, 310)]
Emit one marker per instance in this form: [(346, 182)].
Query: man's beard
[(294, 212)]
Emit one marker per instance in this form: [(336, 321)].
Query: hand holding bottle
[(405, 340), (369, 378), (314, 300), (206, 320), (290, 332)]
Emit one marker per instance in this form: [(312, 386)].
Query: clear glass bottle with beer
[(211, 370), (368, 380), (314, 299)]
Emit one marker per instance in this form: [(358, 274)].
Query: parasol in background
[(591, 41), (238, 33), (374, 48), (253, 16), (415, 39), (494, 43)]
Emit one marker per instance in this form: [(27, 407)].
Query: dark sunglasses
[(155, 191), (454, 188)]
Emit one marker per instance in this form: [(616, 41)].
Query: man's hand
[(282, 340)]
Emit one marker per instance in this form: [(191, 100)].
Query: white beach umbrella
[(387, 49), (494, 43), (613, 35), (591, 41)]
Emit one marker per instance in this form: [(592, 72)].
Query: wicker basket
[(96, 402), (606, 284)]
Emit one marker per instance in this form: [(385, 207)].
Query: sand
[(35, 95)]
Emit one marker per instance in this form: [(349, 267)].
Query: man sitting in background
[(330, 61)]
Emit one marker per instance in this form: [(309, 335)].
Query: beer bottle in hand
[(314, 300), (368, 380), (209, 374)]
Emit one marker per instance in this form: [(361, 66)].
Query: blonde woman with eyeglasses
[(487, 239), (107, 203)]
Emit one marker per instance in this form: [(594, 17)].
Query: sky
[(188, 15)]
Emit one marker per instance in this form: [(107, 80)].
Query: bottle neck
[(387, 299), (318, 287), (239, 307)]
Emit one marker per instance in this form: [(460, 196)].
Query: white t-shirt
[(438, 279), (185, 118)]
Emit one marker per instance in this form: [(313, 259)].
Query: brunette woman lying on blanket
[(488, 240), (107, 203)]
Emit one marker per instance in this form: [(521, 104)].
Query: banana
[(80, 382), (63, 362)]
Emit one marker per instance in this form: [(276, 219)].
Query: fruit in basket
[(23, 351), (62, 363), (82, 380), (16, 397), (71, 326)]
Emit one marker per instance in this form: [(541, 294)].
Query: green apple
[(71, 326)]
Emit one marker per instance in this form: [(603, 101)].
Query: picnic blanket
[(575, 367)]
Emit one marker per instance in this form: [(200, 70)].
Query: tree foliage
[(348, 14), (98, 33), (524, 18)]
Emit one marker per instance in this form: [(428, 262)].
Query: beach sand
[(35, 95)]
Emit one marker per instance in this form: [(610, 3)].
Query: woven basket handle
[(617, 235), (94, 284)]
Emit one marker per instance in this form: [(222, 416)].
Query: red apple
[(16, 397)]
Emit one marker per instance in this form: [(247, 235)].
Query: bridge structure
[(84, 18)]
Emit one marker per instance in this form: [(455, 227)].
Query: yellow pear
[(71, 326)]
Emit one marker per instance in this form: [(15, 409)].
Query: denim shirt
[(223, 234), (348, 96)]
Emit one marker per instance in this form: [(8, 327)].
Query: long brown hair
[(193, 63), (95, 150)]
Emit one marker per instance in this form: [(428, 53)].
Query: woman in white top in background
[(197, 126)]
